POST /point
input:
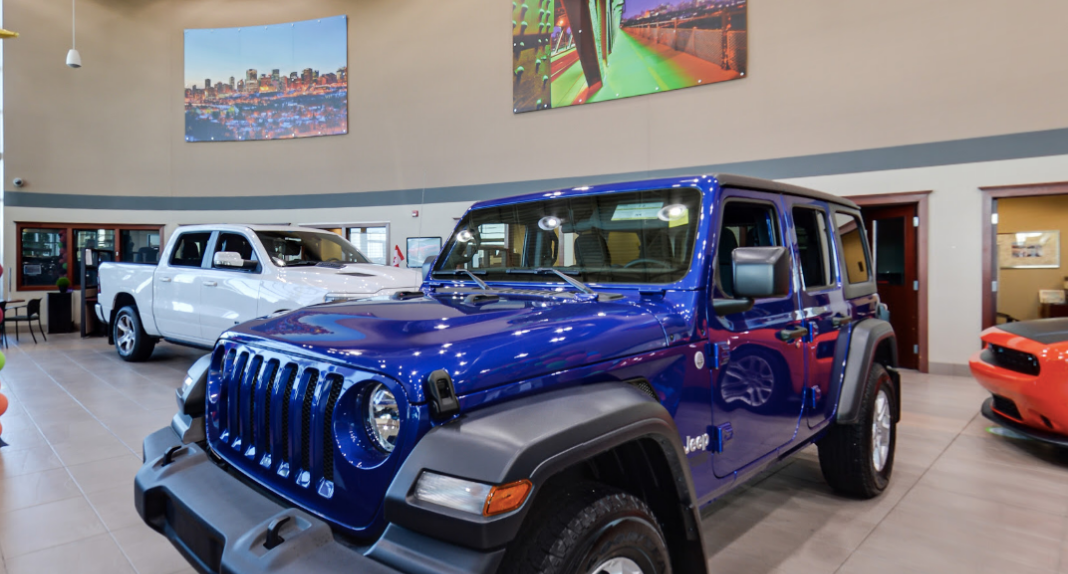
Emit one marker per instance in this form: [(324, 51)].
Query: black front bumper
[(219, 524), (1033, 433)]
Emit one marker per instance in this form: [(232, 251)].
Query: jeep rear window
[(854, 248), (622, 237)]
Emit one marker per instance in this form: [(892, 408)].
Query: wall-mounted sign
[(572, 52), (267, 82)]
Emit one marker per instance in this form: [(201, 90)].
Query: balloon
[(3, 403), (3, 359), (1, 428), (1, 270)]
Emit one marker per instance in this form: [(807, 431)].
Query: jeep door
[(823, 305), (758, 355)]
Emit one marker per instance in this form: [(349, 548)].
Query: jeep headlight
[(383, 417)]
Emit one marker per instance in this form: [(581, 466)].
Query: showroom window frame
[(73, 274)]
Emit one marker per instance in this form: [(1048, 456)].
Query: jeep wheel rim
[(126, 337), (880, 432), (618, 566)]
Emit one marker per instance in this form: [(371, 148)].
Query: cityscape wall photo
[(281, 81)]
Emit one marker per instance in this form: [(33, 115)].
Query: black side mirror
[(428, 264), (759, 272)]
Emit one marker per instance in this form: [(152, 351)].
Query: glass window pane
[(744, 225), (854, 249), (189, 249), (235, 243), (371, 241), (814, 250), (139, 245), (93, 239), (622, 237), (889, 235), (44, 255), (422, 248)]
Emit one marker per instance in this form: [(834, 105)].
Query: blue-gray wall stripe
[(973, 150)]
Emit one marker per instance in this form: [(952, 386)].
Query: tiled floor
[(962, 499)]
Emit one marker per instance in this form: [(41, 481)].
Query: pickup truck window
[(189, 249), (234, 243), (296, 248), (622, 237)]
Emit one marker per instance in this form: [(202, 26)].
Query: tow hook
[(273, 536)]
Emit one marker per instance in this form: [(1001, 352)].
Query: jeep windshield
[(622, 237), (297, 248)]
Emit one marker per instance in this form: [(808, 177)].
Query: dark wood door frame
[(920, 199), (990, 229)]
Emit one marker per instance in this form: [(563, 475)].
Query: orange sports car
[(1024, 365)]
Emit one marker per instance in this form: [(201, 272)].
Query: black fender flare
[(871, 341), (534, 438)]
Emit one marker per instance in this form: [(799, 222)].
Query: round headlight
[(383, 417)]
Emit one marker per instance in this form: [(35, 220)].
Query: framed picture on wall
[(1029, 250)]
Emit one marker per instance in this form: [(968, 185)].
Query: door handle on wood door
[(165, 279), (210, 283), (790, 335)]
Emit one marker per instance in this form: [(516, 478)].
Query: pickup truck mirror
[(233, 260), (761, 272)]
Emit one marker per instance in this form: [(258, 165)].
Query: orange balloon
[(1, 428), (3, 403)]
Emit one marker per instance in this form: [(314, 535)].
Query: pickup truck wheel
[(857, 459), (591, 529), (131, 341)]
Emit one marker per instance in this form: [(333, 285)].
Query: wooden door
[(893, 236)]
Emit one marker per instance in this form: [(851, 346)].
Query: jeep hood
[(519, 336)]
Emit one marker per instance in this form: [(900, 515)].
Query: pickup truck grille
[(272, 416)]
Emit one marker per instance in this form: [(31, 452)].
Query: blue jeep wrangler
[(581, 374)]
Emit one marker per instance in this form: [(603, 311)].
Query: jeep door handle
[(838, 320), (210, 283), (165, 279), (791, 335)]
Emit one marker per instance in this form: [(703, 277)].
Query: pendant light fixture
[(74, 59)]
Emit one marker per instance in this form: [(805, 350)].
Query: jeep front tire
[(858, 459), (591, 529)]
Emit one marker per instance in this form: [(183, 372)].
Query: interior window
[(189, 249), (744, 225), (854, 250), (813, 247)]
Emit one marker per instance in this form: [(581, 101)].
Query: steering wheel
[(653, 261)]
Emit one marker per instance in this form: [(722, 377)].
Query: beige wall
[(1018, 288), (430, 97), (430, 106)]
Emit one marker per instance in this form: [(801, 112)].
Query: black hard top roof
[(743, 181)]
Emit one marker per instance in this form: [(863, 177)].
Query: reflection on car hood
[(354, 277), (519, 336), (1046, 331)]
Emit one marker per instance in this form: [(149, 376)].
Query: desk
[(1051, 310)]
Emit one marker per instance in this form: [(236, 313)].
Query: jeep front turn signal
[(507, 497)]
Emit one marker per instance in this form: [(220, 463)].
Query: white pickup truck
[(212, 277)]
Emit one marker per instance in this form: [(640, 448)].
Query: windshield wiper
[(547, 270), (469, 273)]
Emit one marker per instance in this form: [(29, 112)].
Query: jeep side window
[(745, 224), (189, 249), (813, 246), (854, 250)]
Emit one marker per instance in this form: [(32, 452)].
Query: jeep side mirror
[(759, 272), (231, 260), (428, 264)]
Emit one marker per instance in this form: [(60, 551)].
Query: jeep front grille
[(285, 443), (1014, 360)]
